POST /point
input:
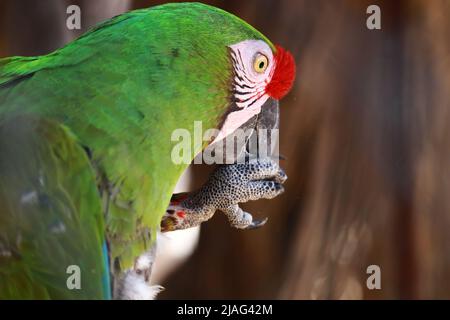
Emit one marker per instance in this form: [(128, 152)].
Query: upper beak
[(269, 119), (266, 131), (259, 136)]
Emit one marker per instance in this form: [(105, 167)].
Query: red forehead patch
[(283, 76)]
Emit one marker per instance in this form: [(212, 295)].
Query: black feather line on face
[(242, 76), (240, 57), (232, 106)]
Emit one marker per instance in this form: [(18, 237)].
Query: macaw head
[(194, 62), (262, 75)]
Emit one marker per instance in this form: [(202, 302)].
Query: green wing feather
[(50, 213)]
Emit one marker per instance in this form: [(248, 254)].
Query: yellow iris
[(260, 63)]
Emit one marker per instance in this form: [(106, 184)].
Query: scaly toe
[(244, 221), (281, 177)]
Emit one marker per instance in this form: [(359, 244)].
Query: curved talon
[(257, 224)]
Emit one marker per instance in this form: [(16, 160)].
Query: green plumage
[(120, 90), (51, 215)]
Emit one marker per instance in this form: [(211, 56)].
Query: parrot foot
[(227, 186)]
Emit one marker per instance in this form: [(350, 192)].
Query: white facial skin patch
[(253, 64)]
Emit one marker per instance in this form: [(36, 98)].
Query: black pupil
[(261, 64)]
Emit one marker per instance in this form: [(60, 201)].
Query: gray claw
[(257, 224)]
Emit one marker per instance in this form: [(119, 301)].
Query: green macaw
[(86, 174)]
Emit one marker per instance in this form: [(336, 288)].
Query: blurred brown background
[(366, 135)]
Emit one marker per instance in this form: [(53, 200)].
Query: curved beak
[(268, 125), (256, 138)]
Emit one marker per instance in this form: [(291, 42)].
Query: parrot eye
[(260, 63)]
